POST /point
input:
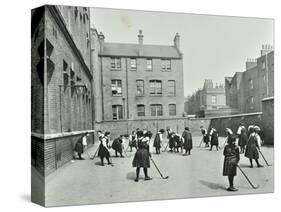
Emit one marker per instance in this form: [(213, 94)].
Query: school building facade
[(137, 81), (61, 80)]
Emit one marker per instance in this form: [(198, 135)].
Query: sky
[(213, 47)]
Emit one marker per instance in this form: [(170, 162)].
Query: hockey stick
[(224, 143), (264, 158), (158, 169), (253, 186), (166, 146), (200, 143), (95, 153)]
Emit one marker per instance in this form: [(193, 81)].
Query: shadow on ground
[(214, 186)]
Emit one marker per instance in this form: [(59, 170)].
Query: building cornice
[(61, 23), (129, 56)]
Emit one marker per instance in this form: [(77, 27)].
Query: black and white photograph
[(135, 105)]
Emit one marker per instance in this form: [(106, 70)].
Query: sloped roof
[(132, 50)]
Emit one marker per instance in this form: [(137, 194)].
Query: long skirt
[(242, 140), (229, 166), (141, 158), (214, 140), (251, 151), (133, 143), (117, 146), (103, 152), (157, 144), (172, 143), (206, 139), (187, 144)]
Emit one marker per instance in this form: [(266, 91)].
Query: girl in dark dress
[(103, 148), (158, 140), (178, 142), (242, 140), (171, 140), (231, 159), (214, 139), (79, 149), (187, 140), (252, 148), (133, 141), (141, 158), (117, 146), (205, 134)]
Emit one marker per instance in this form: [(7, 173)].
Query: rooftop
[(133, 50)]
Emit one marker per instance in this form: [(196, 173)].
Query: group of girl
[(177, 141), (232, 153)]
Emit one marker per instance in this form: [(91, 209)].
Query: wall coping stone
[(59, 135)]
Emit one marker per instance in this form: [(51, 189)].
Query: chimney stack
[(140, 36), (101, 39), (266, 49), (177, 41), (250, 63)]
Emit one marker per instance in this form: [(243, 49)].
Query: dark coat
[(141, 158), (187, 139), (117, 145), (251, 151), (214, 138), (231, 158), (79, 146), (157, 141)]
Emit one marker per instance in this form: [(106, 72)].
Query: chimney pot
[(177, 41), (140, 36)]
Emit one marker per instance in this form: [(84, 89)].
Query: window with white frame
[(156, 110), (140, 87), (171, 87), (115, 64), (155, 87), (251, 84), (133, 64), (165, 65), (149, 64), (116, 87), (252, 100), (264, 78), (214, 99), (172, 109), (141, 110), (117, 112), (263, 64)]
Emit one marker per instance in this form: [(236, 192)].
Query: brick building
[(208, 101), (137, 81), (61, 84), (245, 90)]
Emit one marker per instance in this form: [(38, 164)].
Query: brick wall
[(268, 120), (232, 122), (177, 125), (66, 110), (47, 155), (37, 84)]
